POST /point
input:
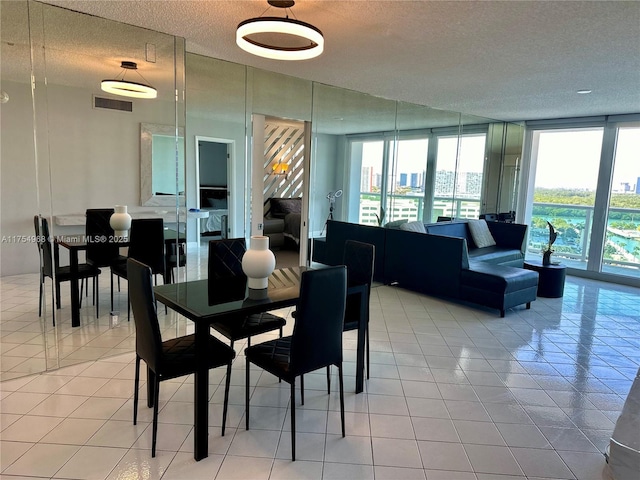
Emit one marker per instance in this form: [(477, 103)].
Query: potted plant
[(546, 253)]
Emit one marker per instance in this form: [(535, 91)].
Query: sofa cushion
[(495, 255), (417, 227), (280, 207), (273, 225), (480, 233), (498, 278), (450, 229)]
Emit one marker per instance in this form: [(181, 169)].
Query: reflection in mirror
[(87, 157), (161, 175)]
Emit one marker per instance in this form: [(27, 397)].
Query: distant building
[(638, 186)]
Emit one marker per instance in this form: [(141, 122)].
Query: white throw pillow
[(481, 234), (417, 227)]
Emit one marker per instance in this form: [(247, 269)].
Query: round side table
[(551, 278)]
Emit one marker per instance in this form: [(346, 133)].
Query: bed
[(214, 202)]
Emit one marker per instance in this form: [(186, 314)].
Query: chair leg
[(136, 384), (86, 289), (301, 390), (367, 347), (328, 379), (226, 397), (96, 295), (279, 379), (53, 310), (112, 291), (246, 397), (40, 301), (341, 397), (80, 292), (293, 420), (129, 304), (118, 284), (57, 290), (156, 389)]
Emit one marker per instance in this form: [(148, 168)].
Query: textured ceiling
[(508, 60)]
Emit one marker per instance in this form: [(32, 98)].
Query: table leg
[(75, 290), (362, 329), (201, 394)]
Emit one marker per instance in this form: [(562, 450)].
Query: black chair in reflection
[(171, 358), (358, 258), (146, 244), (50, 267), (175, 257), (225, 267), (316, 341), (101, 251)]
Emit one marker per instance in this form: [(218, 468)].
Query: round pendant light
[(280, 38), (127, 88)]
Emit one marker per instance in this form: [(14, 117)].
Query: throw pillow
[(481, 234), (396, 223), (417, 227)]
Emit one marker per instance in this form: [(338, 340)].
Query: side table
[(551, 278)]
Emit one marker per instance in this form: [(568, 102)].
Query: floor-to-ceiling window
[(621, 249), (372, 181), (406, 179), (458, 178), (584, 179), (394, 181), (566, 177)]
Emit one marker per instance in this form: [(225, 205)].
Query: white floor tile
[(42, 460), (92, 463), (396, 453)]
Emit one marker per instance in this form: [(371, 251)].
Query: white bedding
[(214, 222)]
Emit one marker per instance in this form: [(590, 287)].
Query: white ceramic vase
[(258, 263), (120, 221)]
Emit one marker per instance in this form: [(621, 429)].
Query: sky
[(570, 159)]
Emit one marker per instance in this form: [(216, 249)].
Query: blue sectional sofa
[(445, 261)]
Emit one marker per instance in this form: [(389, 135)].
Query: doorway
[(280, 185), (214, 167)]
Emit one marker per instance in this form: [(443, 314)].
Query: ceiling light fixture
[(280, 38), (584, 91), (127, 88)]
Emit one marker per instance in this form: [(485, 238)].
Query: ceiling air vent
[(111, 104)]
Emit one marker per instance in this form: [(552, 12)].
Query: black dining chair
[(359, 259), (146, 244), (225, 265), (51, 268), (101, 252), (316, 341), (171, 358)]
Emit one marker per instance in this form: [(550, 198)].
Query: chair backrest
[(359, 258), (317, 334), (47, 257), (148, 338), (146, 243), (225, 258), (100, 252)]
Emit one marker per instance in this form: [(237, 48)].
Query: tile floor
[(455, 393)]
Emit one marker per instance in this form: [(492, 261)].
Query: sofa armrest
[(509, 235)]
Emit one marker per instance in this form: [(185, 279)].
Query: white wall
[(19, 199)]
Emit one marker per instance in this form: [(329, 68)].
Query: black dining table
[(76, 244), (203, 302)]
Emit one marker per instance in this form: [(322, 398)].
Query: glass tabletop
[(208, 299)]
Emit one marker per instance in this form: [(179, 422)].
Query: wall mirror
[(161, 173)]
